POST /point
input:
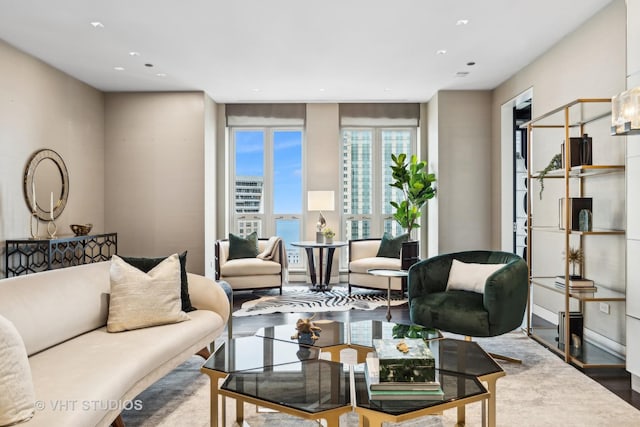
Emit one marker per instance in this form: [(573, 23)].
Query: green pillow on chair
[(390, 246), (243, 247)]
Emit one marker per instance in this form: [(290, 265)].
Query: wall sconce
[(625, 115), (320, 201)]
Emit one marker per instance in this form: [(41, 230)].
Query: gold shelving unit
[(572, 118)]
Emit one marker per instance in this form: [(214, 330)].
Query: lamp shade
[(320, 201), (625, 117)]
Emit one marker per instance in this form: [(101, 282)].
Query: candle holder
[(34, 225), (51, 229)]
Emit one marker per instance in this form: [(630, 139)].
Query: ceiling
[(292, 50)]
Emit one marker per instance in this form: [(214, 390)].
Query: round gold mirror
[(46, 184)]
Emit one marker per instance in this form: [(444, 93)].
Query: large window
[(366, 160), (267, 184)]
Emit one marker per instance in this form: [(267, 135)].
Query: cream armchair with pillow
[(386, 252), (251, 263)]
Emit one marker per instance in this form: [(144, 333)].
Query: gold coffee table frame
[(368, 417)]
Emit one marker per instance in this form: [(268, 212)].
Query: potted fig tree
[(416, 184)]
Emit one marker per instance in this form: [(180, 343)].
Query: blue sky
[(287, 162)]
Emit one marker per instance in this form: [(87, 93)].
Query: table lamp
[(320, 201)]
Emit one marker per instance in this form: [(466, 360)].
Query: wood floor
[(617, 381)]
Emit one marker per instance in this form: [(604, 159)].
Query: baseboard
[(545, 314), (635, 383), (605, 343)]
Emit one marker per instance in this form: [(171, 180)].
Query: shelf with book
[(592, 232), (589, 355), (587, 183), (602, 294)]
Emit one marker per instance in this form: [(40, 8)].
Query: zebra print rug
[(299, 299)]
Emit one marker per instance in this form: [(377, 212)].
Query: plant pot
[(328, 240)]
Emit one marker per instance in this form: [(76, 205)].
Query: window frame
[(267, 218), (377, 219)]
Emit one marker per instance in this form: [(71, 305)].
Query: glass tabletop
[(387, 272), (241, 354), (455, 386), (360, 333), (331, 334), (310, 385), (363, 333)]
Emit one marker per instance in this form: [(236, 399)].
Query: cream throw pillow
[(469, 276), (17, 397), (139, 300)]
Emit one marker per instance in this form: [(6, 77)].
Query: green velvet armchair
[(498, 310)]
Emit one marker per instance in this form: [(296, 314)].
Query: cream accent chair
[(251, 273), (362, 257)]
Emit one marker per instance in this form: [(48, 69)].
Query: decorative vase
[(585, 150), (585, 220), (328, 240)]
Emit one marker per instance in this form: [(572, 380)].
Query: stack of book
[(577, 285), (385, 372)]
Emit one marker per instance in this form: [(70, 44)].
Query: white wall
[(154, 173), (633, 203), (588, 63), (460, 125), (41, 107), (211, 199)]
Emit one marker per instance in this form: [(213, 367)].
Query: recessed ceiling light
[(161, 74), (462, 74), (134, 53), (471, 63), (387, 89), (322, 89), (462, 22), (118, 68), (441, 52), (97, 24), (148, 65), (255, 89)]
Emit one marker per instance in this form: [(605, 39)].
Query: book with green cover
[(431, 394), (404, 360)]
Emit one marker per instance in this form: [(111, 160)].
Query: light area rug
[(299, 299), (543, 391)]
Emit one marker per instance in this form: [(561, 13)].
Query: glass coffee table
[(279, 375), (274, 371)]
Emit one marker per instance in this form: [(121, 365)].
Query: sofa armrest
[(206, 294), (363, 248)]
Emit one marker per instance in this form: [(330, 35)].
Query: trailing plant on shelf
[(554, 164), (410, 177)]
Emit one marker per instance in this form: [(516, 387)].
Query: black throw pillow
[(147, 264), (390, 246), (243, 247)]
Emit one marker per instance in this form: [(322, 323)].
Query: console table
[(24, 256)]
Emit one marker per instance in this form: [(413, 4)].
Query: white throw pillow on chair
[(470, 277)]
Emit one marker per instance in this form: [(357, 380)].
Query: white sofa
[(83, 375), (363, 257), (251, 273)]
